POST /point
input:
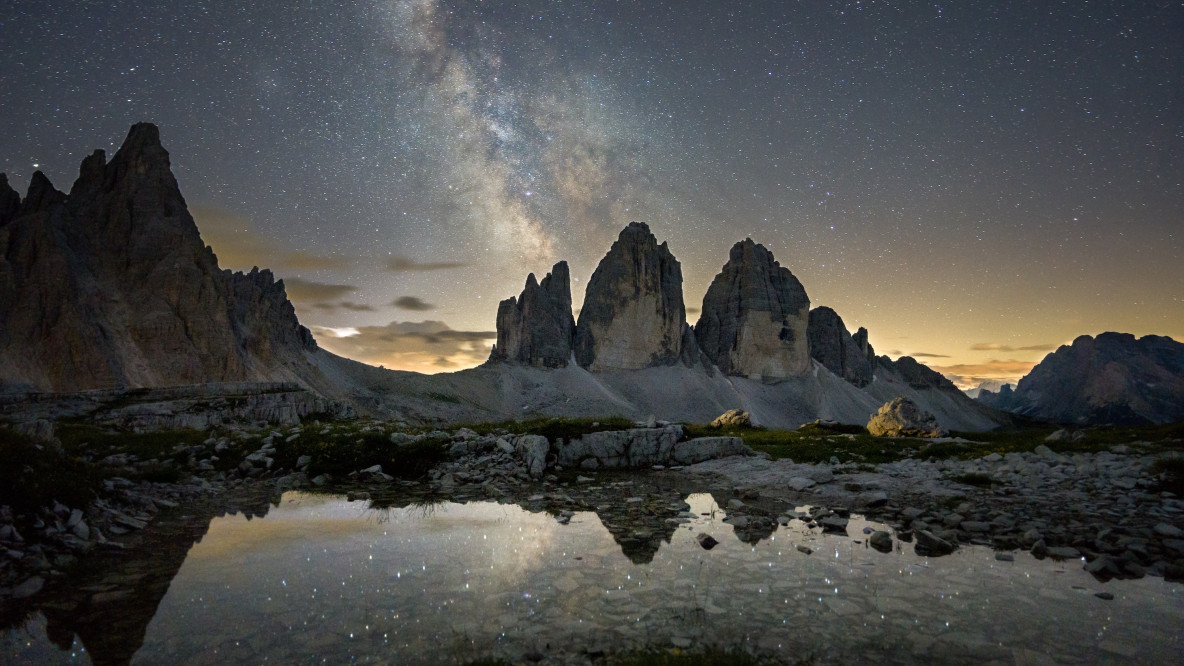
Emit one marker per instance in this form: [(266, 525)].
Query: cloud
[(427, 346), (970, 375), (927, 355), (239, 246), (403, 264), (995, 346), (307, 291), (692, 311), (412, 303), (343, 305)]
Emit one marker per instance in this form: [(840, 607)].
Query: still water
[(319, 579)]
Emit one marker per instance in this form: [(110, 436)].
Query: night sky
[(976, 183)]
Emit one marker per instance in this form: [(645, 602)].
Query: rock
[(833, 524), (881, 541), (706, 541), (124, 232), (800, 483), (873, 499), (1106, 596), (930, 545), (804, 549), (533, 450), (633, 314), (1063, 552), (646, 447), (1005, 557), (755, 317), (538, 328), (28, 587), (1166, 530), (504, 445), (733, 418), (832, 346), (976, 526), (900, 417)]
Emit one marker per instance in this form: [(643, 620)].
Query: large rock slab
[(900, 417), (755, 317), (645, 447), (633, 314), (537, 328)]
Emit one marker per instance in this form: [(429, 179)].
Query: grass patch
[(341, 452), (34, 474), (973, 479), (817, 443), (554, 428)]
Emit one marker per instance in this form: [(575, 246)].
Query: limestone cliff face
[(633, 315), (111, 286), (755, 317), (537, 328), (833, 347)]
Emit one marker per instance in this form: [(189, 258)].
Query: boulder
[(929, 544), (633, 315), (900, 417), (533, 449), (537, 328), (755, 316), (733, 418)]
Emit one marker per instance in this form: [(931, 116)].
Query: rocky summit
[(537, 329), (1111, 379), (633, 315), (111, 286), (833, 347), (755, 317)]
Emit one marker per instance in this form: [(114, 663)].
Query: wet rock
[(881, 541), (930, 545), (833, 523), (706, 541)]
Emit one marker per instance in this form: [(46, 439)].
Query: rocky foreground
[(1106, 508)]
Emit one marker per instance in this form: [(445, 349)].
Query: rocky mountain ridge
[(1113, 378), (755, 323), (111, 286)]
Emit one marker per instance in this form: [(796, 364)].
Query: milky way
[(975, 185)]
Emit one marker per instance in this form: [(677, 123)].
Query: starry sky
[(975, 183)]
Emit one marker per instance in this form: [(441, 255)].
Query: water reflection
[(417, 581)]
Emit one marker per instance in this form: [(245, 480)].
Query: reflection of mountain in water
[(110, 606)]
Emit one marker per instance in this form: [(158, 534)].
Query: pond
[(319, 579)]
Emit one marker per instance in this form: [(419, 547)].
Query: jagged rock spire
[(754, 316), (633, 315), (537, 328)]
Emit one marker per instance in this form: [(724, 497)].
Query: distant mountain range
[(1111, 379), (110, 286)]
